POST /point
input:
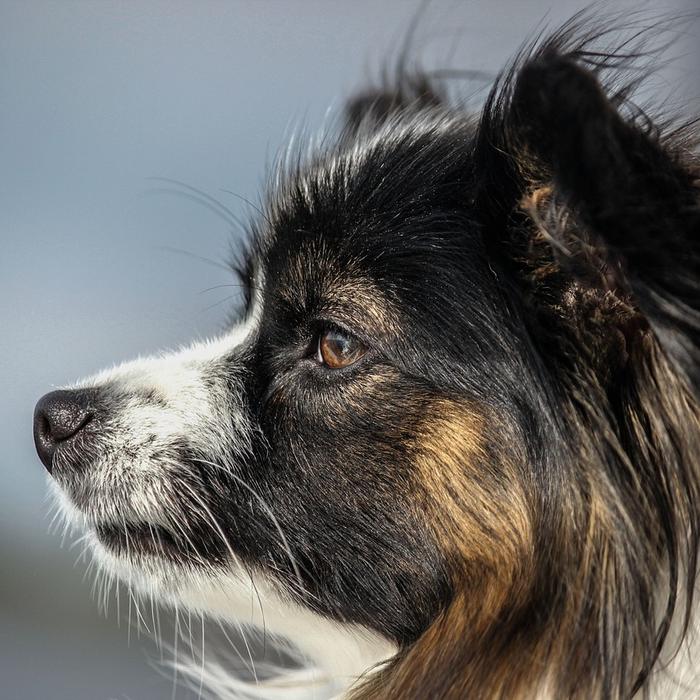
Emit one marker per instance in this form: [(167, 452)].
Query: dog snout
[(58, 417)]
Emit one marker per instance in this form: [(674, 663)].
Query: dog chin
[(234, 594), (245, 598), (165, 577)]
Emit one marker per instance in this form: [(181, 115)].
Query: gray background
[(95, 97)]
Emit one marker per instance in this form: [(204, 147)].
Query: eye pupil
[(337, 349)]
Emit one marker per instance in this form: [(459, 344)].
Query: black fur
[(536, 265)]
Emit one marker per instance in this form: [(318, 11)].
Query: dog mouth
[(143, 540), (149, 539)]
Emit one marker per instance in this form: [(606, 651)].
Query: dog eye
[(337, 349)]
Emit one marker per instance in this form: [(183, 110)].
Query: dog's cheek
[(408, 497), (474, 502), (476, 505), (344, 490)]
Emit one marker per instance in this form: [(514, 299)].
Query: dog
[(451, 441)]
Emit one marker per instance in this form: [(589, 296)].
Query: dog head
[(399, 431)]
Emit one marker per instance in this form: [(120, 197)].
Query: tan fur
[(474, 506), (480, 516)]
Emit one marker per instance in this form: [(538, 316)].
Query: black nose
[(58, 417)]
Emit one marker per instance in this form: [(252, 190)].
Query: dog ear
[(554, 133)]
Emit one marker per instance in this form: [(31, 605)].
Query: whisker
[(175, 652), (249, 203), (219, 303), (249, 666), (201, 674), (224, 212), (194, 256), (268, 511)]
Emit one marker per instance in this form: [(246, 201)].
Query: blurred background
[(96, 266)]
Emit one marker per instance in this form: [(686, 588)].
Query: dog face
[(315, 443), (438, 419)]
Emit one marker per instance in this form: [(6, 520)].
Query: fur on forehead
[(378, 192)]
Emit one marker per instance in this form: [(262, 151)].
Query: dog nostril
[(58, 416)]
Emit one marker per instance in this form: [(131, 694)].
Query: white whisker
[(268, 511)]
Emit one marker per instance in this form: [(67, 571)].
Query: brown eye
[(337, 349)]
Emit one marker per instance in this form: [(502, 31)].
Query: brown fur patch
[(475, 503)]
